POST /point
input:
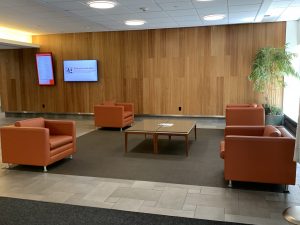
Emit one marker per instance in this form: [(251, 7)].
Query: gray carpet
[(27, 212), (101, 154)]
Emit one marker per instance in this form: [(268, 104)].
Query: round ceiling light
[(135, 22), (248, 19), (102, 4), (214, 17)]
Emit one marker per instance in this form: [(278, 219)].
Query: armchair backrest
[(254, 105), (35, 122), (257, 131), (109, 102), (245, 114), (108, 115), (244, 130)]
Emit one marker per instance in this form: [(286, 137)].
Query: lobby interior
[(180, 63)]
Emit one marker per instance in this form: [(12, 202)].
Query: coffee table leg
[(186, 145), (195, 133), (126, 142)]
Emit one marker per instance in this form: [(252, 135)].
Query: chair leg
[(121, 129), (71, 157), (230, 184), (45, 169), (8, 166), (286, 188)]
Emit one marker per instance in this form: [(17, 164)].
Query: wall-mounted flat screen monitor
[(44, 65), (80, 70)]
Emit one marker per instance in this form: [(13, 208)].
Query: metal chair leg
[(286, 188), (45, 169), (230, 184)]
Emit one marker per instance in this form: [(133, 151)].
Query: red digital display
[(44, 65)]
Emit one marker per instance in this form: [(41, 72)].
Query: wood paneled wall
[(199, 69)]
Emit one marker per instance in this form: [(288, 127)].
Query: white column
[(297, 145)]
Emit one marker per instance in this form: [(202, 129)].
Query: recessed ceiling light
[(102, 4), (135, 22), (248, 19), (214, 17)]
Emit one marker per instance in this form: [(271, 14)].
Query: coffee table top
[(162, 126)]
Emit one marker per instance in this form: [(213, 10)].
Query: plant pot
[(274, 120)]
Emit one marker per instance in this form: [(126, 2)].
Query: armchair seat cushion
[(59, 140), (61, 149), (109, 103), (127, 114), (128, 120)]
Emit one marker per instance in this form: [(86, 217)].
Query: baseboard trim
[(181, 116), (26, 114), (30, 114)]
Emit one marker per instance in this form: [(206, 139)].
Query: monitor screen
[(44, 65), (80, 70)]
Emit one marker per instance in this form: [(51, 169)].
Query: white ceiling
[(65, 16)]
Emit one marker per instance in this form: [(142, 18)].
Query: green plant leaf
[(270, 66)]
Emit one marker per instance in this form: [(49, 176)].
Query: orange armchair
[(115, 115), (258, 154), (245, 114), (38, 142)]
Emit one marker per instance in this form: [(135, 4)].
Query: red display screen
[(44, 65)]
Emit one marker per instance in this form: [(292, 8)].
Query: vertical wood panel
[(200, 69)]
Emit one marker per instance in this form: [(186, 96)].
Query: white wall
[(292, 90), (298, 33)]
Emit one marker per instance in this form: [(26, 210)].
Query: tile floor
[(212, 203)]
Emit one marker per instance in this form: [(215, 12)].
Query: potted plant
[(268, 70), (274, 115)]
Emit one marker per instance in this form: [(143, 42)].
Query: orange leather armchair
[(245, 114), (38, 142), (258, 154), (115, 115)]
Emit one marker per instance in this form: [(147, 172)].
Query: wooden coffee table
[(162, 127)]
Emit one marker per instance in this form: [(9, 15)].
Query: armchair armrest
[(127, 106), (244, 130), (35, 139)]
